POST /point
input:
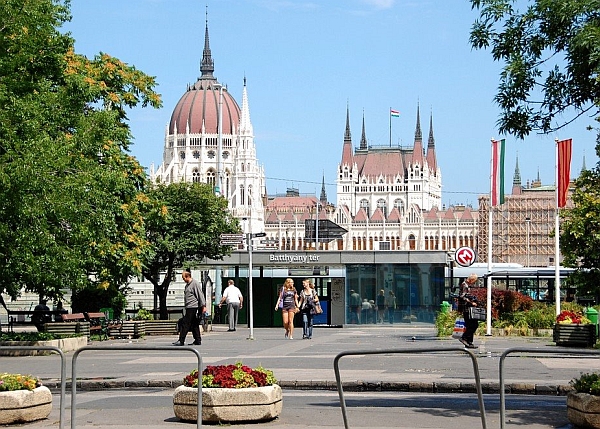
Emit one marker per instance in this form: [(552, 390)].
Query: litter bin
[(592, 314), (108, 312), (445, 307)]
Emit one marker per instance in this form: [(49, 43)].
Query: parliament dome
[(198, 108)]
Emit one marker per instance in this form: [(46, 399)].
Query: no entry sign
[(465, 256)]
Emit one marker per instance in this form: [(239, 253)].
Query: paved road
[(304, 369)]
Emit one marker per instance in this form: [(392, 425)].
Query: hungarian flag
[(394, 113), (564, 170), (497, 185)]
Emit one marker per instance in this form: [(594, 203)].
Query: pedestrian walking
[(308, 298), (380, 300), (194, 301), (234, 299), (390, 304), (289, 298), (466, 301)]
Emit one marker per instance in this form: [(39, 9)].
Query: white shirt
[(232, 294)]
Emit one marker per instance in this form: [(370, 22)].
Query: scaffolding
[(522, 229)]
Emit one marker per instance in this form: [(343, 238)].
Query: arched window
[(412, 242), (399, 204), (196, 175), (211, 177), (242, 195), (382, 205), (364, 204)]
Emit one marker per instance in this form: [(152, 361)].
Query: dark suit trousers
[(190, 323)]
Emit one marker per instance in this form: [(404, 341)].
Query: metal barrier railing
[(128, 348), (63, 372), (408, 351), (538, 352)]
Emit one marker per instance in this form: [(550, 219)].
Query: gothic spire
[(431, 141), (347, 135), (517, 177), (363, 138), (323, 197), (207, 66), (418, 134), (245, 124)]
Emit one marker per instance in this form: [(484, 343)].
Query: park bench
[(161, 327), (71, 324), (98, 324)]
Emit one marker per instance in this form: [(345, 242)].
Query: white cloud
[(380, 4)]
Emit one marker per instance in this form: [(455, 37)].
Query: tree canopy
[(551, 52), (183, 227), (71, 197)]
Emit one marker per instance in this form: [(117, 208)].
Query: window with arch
[(196, 176), (382, 205), (242, 194), (249, 195), (364, 204), (412, 242), (211, 177), (399, 204)]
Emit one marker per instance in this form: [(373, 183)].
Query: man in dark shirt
[(194, 300)]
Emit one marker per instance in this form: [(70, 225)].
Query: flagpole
[(488, 319), (556, 239), (390, 115)]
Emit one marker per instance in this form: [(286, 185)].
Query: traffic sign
[(231, 239), (465, 256), (259, 234)]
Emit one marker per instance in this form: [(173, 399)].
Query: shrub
[(587, 383), (444, 322), (236, 376), (10, 382), (27, 336)]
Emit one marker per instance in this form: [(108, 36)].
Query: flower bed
[(23, 399), (583, 405), (230, 393)]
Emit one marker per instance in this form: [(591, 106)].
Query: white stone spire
[(245, 124)]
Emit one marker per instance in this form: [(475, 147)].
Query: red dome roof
[(200, 105)]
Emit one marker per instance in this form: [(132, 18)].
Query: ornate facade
[(209, 139), (388, 198)]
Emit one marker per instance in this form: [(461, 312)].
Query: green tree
[(551, 52), (71, 197), (183, 228)]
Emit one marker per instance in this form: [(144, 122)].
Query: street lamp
[(527, 223)]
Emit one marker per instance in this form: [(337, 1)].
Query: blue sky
[(305, 61)]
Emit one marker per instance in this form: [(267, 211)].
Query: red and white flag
[(497, 176), (563, 174)]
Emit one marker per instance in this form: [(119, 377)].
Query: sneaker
[(286, 335), (291, 338), (471, 346)]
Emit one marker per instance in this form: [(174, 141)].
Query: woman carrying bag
[(308, 304)]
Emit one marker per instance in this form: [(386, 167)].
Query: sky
[(306, 61)]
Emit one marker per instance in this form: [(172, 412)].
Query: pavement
[(429, 383)]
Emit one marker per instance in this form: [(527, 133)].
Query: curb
[(350, 386)]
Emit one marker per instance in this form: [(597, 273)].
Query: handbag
[(459, 328), (477, 313), (281, 298), (316, 308)]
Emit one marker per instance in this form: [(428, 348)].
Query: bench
[(74, 323), (128, 329), (98, 324)]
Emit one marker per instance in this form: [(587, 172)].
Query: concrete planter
[(65, 344), (22, 406), (253, 404), (583, 410), (574, 335)]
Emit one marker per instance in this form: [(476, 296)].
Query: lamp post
[(527, 223)]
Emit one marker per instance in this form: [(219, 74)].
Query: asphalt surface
[(429, 384)]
